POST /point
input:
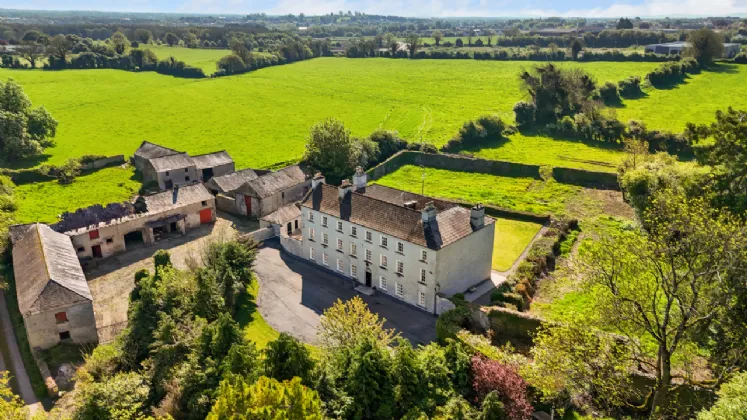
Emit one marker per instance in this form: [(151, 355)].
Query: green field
[(696, 101), (511, 238), (195, 57), (522, 194), (262, 118), (44, 201)]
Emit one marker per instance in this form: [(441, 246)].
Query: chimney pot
[(360, 179), (317, 180), (429, 213), (345, 187), (477, 216)]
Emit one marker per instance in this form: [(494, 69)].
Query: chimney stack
[(477, 217), (317, 180), (360, 179), (345, 188), (429, 213)]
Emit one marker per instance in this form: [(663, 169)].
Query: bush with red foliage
[(490, 375)]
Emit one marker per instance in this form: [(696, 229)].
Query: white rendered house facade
[(405, 245)]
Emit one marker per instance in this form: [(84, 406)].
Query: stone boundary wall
[(104, 162), (264, 234), (462, 163), (49, 381)]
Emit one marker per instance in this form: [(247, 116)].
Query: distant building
[(730, 50), (52, 291), (406, 245), (149, 219), (170, 168)]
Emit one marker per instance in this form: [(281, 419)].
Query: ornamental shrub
[(525, 113)]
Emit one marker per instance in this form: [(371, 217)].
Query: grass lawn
[(696, 101), (44, 201), (262, 118), (541, 150), (195, 57), (524, 194), (511, 238)]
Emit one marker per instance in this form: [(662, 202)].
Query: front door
[(248, 201), (368, 279), (206, 216), (169, 184), (96, 250)]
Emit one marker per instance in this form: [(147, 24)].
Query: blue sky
[(422, 8)]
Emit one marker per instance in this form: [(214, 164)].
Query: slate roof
[(178, 197), (283, 215), (399, 197), (234, 180), (47, 271), (172, 162), (148, 150), (211, 160), (451, 224), (274, 182)]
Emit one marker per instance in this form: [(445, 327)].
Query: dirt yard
[(113, 278)]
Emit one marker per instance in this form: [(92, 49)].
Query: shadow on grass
[(27, 163), (246, 311), (728, 68)]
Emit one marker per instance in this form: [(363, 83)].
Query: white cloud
[(655, 8)]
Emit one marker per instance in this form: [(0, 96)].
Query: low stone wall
[(49, 381), (104, 162), (512, 325), (226, 203), (462, 163), (290, 245), (264, 234), (583, 178)]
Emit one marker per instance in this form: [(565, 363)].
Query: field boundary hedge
[(31, 175), (579, 177)]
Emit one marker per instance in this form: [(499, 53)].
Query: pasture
[(262, 118), (204, 59), (697, 100)]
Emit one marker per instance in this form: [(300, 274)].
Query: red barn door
[(206, 216)]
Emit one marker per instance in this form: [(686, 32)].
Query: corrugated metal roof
[(211, 160), (47, 271), (172, 162), (234, 180), (275, 182), (148, 150), (398, 221)]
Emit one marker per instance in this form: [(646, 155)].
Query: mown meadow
[(204, 59)]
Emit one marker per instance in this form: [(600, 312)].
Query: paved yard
[(294, 294), (112, 280)]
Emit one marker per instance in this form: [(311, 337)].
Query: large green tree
[(668, 283), (24, 131), (266, 399), (331, 150), (732, 401), (11, 406), (705, 45)]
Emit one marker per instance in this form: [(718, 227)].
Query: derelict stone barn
[(52, 291), (149, 219), (169, 168), (252, 192)]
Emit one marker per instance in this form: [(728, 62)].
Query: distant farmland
[(263, 117)]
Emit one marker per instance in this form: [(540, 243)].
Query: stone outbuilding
[(53, 295), (170, 168), (149, 219)]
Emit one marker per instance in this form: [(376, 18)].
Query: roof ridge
[(211, 153), (44, 253)]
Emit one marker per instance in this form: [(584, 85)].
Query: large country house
[(409, 246)]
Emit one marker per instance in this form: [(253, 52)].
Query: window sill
[(384, 247), (400, 253), (423, 261), (382, 267), (353, 256), (422, 284), (340, 251), (400, 274), (340, 231), (325, 245), (354, 236), (368, 241)]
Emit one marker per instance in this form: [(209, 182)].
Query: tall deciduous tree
[(493, 376), (669, 281), (286, 358), (171, 39), (24, 131), (346, 324), (59, 47), (31, 51), (413, 43), (437, 36), (331, 150), (120, 41), (705, 45), (143, 36)]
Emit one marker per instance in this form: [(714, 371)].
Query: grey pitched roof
[(451, 224), (172, 162), (283, 215), (211, 160), (232, 181), (148, 150), (178, 197), (47, 271), (400, 197), (274, 182)]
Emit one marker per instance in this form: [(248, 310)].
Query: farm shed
[(151, 218), (52, 291), (213, 164), (148, 151), (268, 193)]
